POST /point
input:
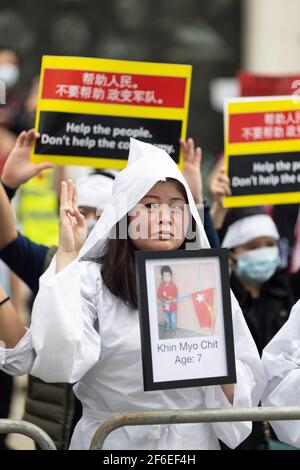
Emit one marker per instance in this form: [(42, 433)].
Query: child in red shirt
[(167, 293)]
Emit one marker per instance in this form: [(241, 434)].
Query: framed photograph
[(185, 318)]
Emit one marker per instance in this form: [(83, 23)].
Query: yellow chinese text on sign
[(89, 108), (262, 150)]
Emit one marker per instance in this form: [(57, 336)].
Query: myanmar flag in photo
[(203, 301)]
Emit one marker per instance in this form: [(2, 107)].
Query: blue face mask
[(257, 265)]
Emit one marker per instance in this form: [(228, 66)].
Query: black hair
[(165, 269)]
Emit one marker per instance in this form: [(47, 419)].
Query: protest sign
[(89, 108), (262, 150)]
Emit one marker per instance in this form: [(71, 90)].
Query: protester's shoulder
[(90, 275), (23, 243), (90, 268)]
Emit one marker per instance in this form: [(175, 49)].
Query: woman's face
[(160, 220)]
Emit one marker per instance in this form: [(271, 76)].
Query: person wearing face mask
[(9, 68), (9, 77), (11, 102), (265, 291)]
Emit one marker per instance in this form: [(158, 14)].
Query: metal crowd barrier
[(192, 416), (41, 438), (44, 442)]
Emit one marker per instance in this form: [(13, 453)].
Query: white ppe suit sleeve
[(18, 360), (249, 386), (64, 325), (281, 361)]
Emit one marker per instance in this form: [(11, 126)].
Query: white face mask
[(258, 265), (9, 73)]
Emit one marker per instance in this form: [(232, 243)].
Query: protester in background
[(9, 74), (28, 115), (7, 142), (94, 194), (192, 158), (265, 291)]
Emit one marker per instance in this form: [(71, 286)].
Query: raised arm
[(192, 168), (8, 231), (21, 254), (192, 157), (219, 187), (12, 327), (18, 169)]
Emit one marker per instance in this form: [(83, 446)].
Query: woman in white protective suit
[(85, 323), (281, 361)]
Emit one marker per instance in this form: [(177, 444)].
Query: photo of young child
[(186, 299), (167, 293)]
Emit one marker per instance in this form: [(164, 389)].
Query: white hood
[(147, 164)]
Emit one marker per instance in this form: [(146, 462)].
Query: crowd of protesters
[(81, 346)]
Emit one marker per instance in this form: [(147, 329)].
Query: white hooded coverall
[(81, 333)]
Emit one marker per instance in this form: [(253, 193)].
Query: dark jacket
[(267, 314)]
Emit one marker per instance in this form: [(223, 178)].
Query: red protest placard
[(252, 84), (264, 126), (118, 88)]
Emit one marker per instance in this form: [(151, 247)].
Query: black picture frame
[(220, 255)]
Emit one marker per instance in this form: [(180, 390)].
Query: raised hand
[(220, 186), (72, 226), (191, 168), (18, 169)]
